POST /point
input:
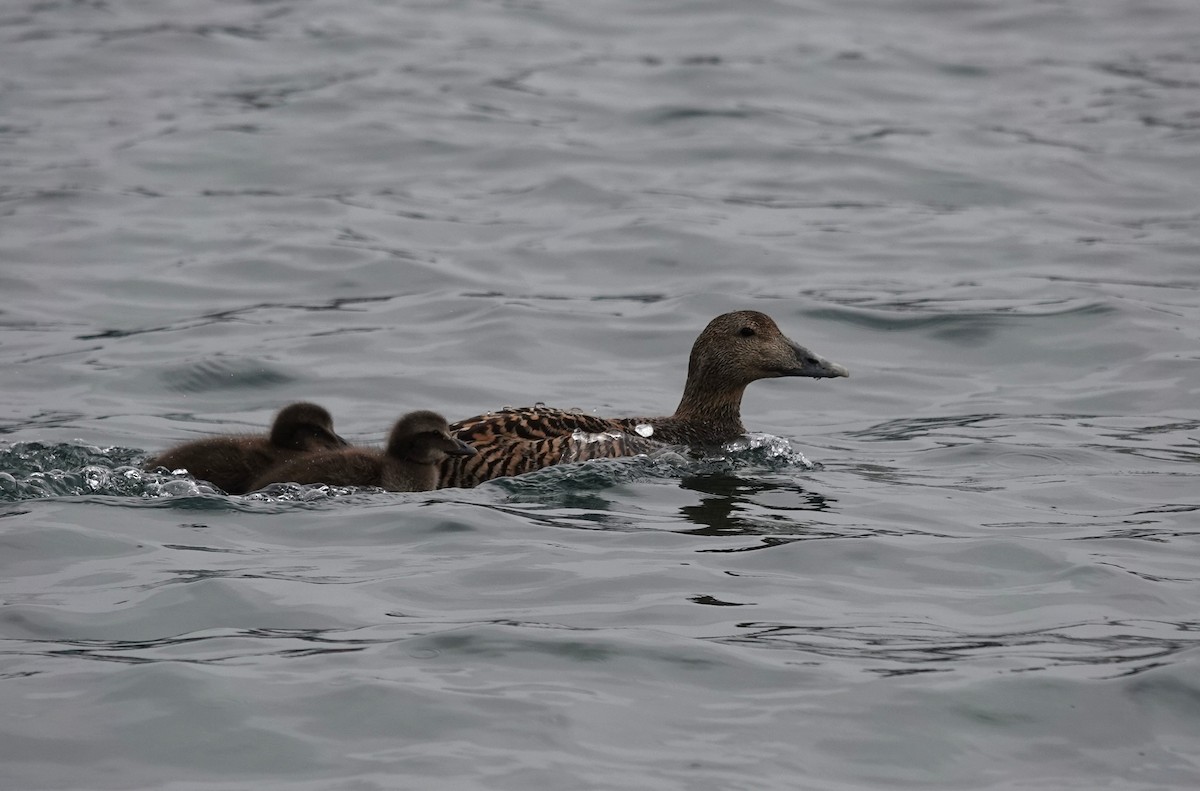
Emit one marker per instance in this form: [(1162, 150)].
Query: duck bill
[(461, 448), (338, 440), (812, 365)]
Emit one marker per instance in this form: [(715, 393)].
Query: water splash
[(310, 492), (33, 470), (768, 447), (585, 438)]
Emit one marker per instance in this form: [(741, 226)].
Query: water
[(987, 577)]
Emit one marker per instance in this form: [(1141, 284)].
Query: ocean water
[(974, 564)]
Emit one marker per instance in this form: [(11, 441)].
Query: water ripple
[(1097, 649)]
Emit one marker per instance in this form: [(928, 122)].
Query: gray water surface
[(986, 579)]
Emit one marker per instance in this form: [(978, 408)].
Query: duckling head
[(424, 437), (305, 426)]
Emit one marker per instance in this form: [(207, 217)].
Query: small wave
[(309, 492), (33, 470)]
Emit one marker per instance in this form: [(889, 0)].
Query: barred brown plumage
[(734, 350)]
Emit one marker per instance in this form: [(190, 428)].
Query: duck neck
[(715, 411)]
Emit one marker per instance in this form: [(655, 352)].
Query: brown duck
[(232, 462), (734, 350), (419, 442)]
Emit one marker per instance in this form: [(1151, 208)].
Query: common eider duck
[(734, 350), (233, 461), (419, 441)]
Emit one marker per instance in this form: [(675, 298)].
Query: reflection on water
[(214, 647), (733, 506), (911, 428), (1100, 650)]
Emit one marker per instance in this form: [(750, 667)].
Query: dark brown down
[(418, 442), (734, 350), (233, 461)]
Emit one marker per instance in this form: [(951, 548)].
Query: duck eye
[(746, 332)]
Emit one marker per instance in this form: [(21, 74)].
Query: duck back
[(515, 441)]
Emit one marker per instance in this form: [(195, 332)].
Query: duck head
[(305, 426), (738, 348), (424, 437)]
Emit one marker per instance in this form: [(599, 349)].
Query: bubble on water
[(180, 487), (587, 438), (95, 477)]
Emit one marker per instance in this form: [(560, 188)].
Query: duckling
[(734, 350), (232, 462), (419, 442)]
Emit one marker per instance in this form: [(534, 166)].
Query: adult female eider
[(233, 461), (734, 350), (419, 441)]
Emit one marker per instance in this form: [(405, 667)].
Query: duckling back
[(233, 462), (346, 467)]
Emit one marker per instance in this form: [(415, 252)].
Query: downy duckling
[(232, 462), (418, 443)]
